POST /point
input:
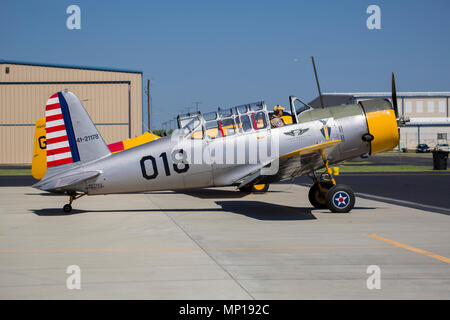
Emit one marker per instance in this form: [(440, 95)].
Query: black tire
[(258, 188), (314, 196), (340, 199), (246, 189), (67, 208)]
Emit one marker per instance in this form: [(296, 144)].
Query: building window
[(408, 108), (442, 106), (419, 106), (7, 70), (430, 106)]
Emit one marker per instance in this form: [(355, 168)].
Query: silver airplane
[(230, 147)]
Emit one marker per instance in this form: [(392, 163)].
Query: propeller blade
[(394, 97), (395, 105)]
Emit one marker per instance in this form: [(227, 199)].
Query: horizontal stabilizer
[(65, 181)]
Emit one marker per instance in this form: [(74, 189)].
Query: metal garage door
[(21, 104)]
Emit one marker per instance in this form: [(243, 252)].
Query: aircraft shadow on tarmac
[(54, 212), (273, 212), (209, 193), (267, 211), (217, 193), (253, 209)]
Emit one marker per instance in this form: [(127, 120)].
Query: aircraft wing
[(290, 165), (65, 181), (303, 160), (312, 149)]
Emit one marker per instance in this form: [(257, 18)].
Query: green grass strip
[(15, 172), (390, 168)]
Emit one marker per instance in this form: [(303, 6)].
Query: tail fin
[(39, 162), (71, 136)]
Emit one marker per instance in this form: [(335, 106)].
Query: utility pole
[(149, 104), (188, 109), (196, 104)]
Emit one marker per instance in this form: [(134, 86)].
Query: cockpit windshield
[(225, 122), (189, 123), (300, 106), (192, 125)]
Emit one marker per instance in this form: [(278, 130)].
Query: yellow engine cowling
[(382, 125)]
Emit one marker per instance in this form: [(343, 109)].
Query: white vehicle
[(442, 147)]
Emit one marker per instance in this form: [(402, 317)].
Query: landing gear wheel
[(67, 208), (316, 198), (260, 188), (340, 199), (246, 189), (255, 188)]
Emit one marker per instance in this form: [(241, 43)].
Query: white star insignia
[(344, 202)]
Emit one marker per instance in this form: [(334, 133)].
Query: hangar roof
[(27, 63), (388, 94)]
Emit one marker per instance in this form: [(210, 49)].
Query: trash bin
[(440, 160)]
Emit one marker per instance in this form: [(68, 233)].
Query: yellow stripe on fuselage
[(137, 141), (311, 149)]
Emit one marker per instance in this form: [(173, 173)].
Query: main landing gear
[(325, 193), (68, 207), (255, 188)]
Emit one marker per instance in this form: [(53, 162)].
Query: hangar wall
[(411, 136), (112, 97)]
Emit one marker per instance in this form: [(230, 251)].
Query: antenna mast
[(318, 85)]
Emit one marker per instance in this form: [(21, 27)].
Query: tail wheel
[(255, 188), (318, 199), (340, 199), (67, 208)]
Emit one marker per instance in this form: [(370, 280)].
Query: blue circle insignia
[(341, 199)]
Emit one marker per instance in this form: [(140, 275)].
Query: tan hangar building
[(112, 97)]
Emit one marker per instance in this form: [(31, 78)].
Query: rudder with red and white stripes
[(71, 136), (61, 144)]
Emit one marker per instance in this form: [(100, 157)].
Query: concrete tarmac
[(218, 244)]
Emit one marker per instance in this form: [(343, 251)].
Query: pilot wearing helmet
[(276, 120)]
